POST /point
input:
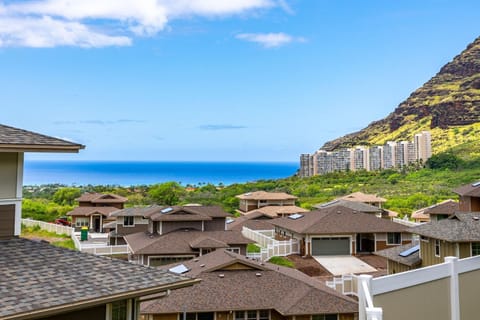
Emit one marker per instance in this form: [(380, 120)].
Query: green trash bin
[(84, 233)]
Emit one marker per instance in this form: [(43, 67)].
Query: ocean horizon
[(130, 173)]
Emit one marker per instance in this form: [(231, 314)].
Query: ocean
[(38, 172)]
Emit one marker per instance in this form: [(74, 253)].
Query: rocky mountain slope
[(448, 105)]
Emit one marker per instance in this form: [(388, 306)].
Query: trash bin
[(84, 233)]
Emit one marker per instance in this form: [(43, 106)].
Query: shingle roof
[(22, 140), (472, 190), (358, 206), (255, 220), (258, 287), (338, 220), (36, 276), (134, 211), (460, 227), (394, 255), (445, 207), (180, 242), (88, 211), (263, 195), (275, 211), (94, 197), (186, 213), (363, 197)]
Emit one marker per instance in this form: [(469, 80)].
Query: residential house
[(94, 210), (234, 287), (255, 200), (183, 232), (469, 197), (128, 221), (36, 278), (259, 219), (371, 199), (340, 230), (436, 212)]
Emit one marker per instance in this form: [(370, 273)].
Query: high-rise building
[(389, 154), (375, 158), (306, 165), (423, 146)]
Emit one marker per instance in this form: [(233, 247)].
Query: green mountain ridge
[(448, 105)]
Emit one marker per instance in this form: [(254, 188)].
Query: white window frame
[(82, 221), (129, 225), (245, 313), (233, 249), (437, 245), (399, 238), (322, 316)]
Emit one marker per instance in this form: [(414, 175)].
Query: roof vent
[(338, 211), (196, 259), (202, 265), (221, 275), (476, 184), (258, 274), (476, 218)]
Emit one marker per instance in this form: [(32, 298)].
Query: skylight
[(295, 216), (229, 220), (179, 269), (166, 210), (476, 184), (410, 251)]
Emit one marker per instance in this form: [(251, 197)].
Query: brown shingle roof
[(133, 211), (15, 139), (186, 213), (338, 220), (101, 198), (255, 220), (275, 211), (460, 227), (393, 254), (471, 190), (358, 206), (263, 195), (88, 211), (363, 197), (179, 242), (445, 207), (258, 287), (36, 276)]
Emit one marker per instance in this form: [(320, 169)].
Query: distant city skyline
[(240, 80)]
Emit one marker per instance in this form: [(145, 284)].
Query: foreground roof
[(39, 279), (19, 140), (412, 260), (233, 282), (338, 219), (460, 227), (264, 195), (182, 241), (363, 197)]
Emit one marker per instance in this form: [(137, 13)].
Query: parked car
[(63, 221)]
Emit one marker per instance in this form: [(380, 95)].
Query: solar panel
[(410, 251), (229, 220), (295, 216), (476, 184), (166, 210), (179, 269)]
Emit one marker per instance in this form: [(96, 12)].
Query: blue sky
[(215, 80)]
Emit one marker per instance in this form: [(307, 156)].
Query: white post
[(454, 292), (364, 282)]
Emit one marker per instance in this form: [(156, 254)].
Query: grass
[(281, 261), (252, 247), (58, 240)]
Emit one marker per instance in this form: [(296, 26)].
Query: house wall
[(167, 316), (7, 220), (468, 284), (417, 302), (469, 204), (465, 250), (396, 267), (11, 180), (427, 251), (168, 226), (347, 316), (8, 175), (95, 313), (216, 224)]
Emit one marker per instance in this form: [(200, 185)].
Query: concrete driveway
[(338, 265)]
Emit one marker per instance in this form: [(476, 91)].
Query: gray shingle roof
[(394, 255), (258, 287), (133, 211), (358, 206), (471, 190), (18, 139), (36, 276), (186, 213), (460, 227)]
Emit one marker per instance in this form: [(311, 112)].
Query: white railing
[(269, 246), (406, 222), (97, 249), (346, 284), (51, 227), (366, 310)]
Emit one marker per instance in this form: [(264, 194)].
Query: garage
[(331, 246)]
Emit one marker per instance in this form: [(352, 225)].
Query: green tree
[(66, 196), (445, 160), (167, 193)]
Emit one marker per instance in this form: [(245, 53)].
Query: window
[(324, 317), (475, 248), (119, 310), (252, 315), (234, 250), (128, 221), (437, 248), (424, 239), (160, 261), (239, 315), (394, 238), (82, 221), (263, 315)]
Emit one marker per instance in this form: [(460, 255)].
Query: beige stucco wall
[(427, 301), (8, 175), (469, 284)]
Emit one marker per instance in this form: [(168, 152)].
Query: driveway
[(338, 265)]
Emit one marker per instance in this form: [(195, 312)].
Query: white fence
[(51, 227), (346, 284), (89, 248), (269, 246)]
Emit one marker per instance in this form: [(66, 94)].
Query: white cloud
[(49, 23), (269, 40)]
